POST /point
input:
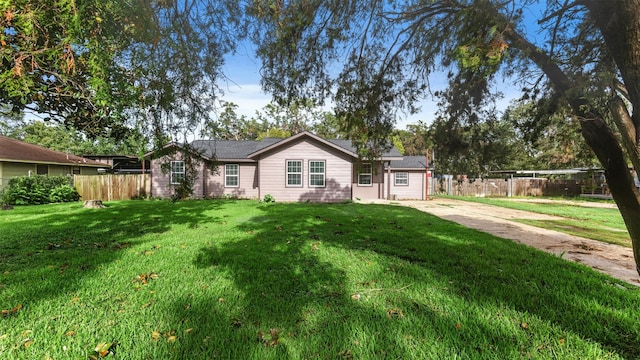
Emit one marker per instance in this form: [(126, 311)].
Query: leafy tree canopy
[(372, 58), (107, 66)]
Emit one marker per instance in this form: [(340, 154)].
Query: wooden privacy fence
[(112, 187), (515, 187)]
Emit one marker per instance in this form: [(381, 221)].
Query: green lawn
[(595, 223), (243, 280)]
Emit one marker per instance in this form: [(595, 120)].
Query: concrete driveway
[(614, 260)]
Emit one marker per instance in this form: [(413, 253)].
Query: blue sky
[(243, 70), (243, 88)]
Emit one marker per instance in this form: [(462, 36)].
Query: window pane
[(231, 169), (402, 178), (177, 172), (364, 179), (294, 179)]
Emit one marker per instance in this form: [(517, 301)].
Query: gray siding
[(161, 186), (376, 190), (272, 172), (413, 191), (248, 182)]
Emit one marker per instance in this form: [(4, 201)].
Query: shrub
[(269, 199), (64, 193), (31, 190)]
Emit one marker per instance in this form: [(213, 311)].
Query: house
[(299, 168), (18, 158)]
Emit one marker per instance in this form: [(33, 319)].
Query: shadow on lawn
[(47, 250), (294, 284)]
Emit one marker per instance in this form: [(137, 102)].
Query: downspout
[(426, 176), (389, 180)]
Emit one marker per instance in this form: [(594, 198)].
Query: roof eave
[(298, 136)]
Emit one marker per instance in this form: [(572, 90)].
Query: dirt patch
[(614, 260)]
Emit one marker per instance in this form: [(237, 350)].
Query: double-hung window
[(231, 175), (294, 173), (401, 179), (316, 173), (364, 175), (177, 172)]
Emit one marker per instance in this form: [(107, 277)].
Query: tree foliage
[(107, 66), (374, 57)]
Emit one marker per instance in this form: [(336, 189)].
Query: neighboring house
[(18, 158), (299, 168), (121, 164)]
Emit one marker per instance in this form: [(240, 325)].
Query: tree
[(586, 56), (553, 141), (105, 66), (69, 140)]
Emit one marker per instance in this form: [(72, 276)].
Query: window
[(231, 175), (364, 175), (76, 170), (42, 169), (316, 173), (402, 178), (177, 172), (294, 172)]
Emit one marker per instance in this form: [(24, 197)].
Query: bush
[(269, 199), (32, 190), (64, 193)]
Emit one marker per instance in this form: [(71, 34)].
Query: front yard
[(239, 279)]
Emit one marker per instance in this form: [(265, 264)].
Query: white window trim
[(287, 173), (360, 172), (236, 175), (395, 179), (173, 173), (323, 173)]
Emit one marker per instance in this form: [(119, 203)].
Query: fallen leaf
[(355, 297), (188, 331), (221, 300), (458, 326), (11, 311), (270, 339), (27, 342), (102, 350), (561, 341), (171, 339), (155, 336), (524, 325), (394, 313), (70, 333)]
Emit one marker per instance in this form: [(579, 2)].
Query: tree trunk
[(596, 132), (605, 145), (93, 204)]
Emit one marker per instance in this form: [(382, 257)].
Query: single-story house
[(299, 168), (18, 158)]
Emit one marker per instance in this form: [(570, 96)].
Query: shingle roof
[(348, 145), (17, 151), (232, 149), (409, 162)]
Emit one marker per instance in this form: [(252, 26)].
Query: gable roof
[(231, 150), (344, 146), (409, 163), (12, 150), (247, 150)]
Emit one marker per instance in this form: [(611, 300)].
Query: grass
[(602, 224), (239, 279)]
